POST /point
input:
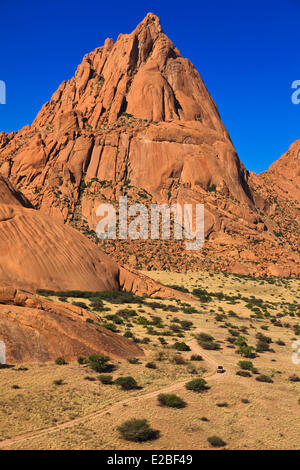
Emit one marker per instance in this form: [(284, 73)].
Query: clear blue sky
[(247, 52)]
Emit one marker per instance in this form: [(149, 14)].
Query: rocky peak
[(142, 74)]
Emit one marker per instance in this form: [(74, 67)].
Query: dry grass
[(268, 421)]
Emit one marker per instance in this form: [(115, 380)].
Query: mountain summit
[(137, 119)]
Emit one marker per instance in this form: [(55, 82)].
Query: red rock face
[(35, 329), (137, 119)]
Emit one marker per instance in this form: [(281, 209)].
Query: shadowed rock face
[(35, 329), (137, 117), (37, 251)]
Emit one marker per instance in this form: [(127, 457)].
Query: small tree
[(137, 430)]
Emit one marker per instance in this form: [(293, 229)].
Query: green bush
[(82, 360), (60, 361), (137, 430), (247, 365), (216, 441), (196, 385), (171, 400), (207, 341), (106, 379), (126, 383), (133, 360), (181, 346), (98, 362)]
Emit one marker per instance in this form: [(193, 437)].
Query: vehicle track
[(108, 409)]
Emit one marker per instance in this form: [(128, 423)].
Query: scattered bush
[(82, 360), (181, 346), (245, 401), (216, 441), (151, 365), (196, 385), (196, 357), (178, 359), (294, 378), (98, 362), (60, 361), (243, 373), (58, 382), (106, 379), (207, 341), (133, 360), (245, 365), (126, 383), (137, 430), (264, 378), (171, 400)]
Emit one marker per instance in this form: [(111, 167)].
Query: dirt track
[(196, 349)]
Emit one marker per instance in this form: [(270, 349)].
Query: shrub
[(196, 385), (181, 346), (243, 373), (137, 430), (128, 334), (245, 401), (196, 357), (151, 365), (60, 361), (262, 346), (264, 378), (80, 304), (171, 400), (294, 378), (247, 365), (207, 341), (106, 379), (133, 360), (223, 404), (98, 362), (216, 441), (58, 382), (82, 360), (126, 383), (178, 359), (191, 369)]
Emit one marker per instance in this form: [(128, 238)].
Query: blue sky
[(246, 52)]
